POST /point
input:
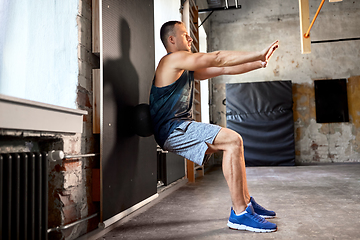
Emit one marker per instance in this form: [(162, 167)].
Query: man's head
[(174, 36)]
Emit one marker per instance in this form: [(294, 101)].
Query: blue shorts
[(190, 138)]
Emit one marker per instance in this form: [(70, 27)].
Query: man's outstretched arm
[(211, 72), (195, 61)]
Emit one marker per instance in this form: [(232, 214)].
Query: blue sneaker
[(250, 221), (261, 211)]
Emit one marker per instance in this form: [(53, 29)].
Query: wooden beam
[(190, 170), (304, 25)]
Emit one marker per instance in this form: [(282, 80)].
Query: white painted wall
[(164, 10), (204, 85), (39, 50)]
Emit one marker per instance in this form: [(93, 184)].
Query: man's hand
[(268, 52)]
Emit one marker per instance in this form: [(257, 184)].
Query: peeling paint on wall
[(327, 142), (353, 87)]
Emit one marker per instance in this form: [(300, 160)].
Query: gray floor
[(312, 202)]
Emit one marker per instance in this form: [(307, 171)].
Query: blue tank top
[(171, 105)]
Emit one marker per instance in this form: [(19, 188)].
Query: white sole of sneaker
[(267, 217), (247, 228)]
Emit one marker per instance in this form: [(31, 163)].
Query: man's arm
[(211, 72), (207, 65), (195, 61)]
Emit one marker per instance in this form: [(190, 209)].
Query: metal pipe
[(60, 155), (218, 9), (236, 4), (313, 21), (162, 151), (59, 228), (81, 155), (336, 40)]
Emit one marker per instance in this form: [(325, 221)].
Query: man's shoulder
[(170, 60), (177, 55), (175, 60)]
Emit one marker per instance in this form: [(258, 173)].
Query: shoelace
[(257, 218)]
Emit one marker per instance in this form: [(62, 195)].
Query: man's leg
[(235, 174), (233, 166)]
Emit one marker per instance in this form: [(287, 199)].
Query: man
[(175, 130)]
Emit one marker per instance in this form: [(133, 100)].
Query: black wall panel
[(331, 101), (129, 162), (171, 167), (261, 112)]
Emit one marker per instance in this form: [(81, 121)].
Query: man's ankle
[(239, 209)]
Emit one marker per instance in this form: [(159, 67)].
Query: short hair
[(166, 30)]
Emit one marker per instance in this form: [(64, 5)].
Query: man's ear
[(171, 39)]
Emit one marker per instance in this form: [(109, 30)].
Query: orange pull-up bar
[(307, 34)]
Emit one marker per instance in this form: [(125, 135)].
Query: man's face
[(183, 40)]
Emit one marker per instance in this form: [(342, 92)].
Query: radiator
[(23, 196)]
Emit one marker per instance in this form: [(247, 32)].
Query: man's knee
[(238, 140), (235, 141), (227, 140)]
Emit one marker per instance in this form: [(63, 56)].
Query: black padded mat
[(261, 112)]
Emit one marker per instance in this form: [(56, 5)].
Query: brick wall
[(70, 181)]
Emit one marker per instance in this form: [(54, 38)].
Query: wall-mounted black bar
[(206, 18), (219, 9), (336, 40), (215, 9)]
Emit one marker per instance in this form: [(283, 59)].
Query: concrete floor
[(312, 202)]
